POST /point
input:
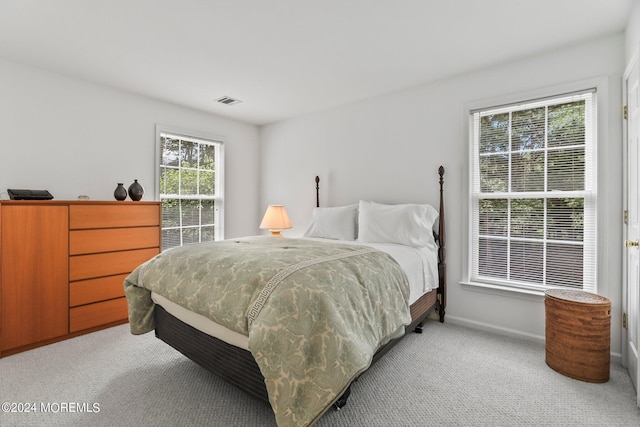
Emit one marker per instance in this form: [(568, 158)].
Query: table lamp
[(275, 219)]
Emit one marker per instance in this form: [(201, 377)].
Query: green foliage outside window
[(188, 188), (536, 153)]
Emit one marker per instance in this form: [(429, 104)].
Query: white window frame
[(492, 286), (218, 198)]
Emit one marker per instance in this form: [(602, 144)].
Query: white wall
[(632, 33), (388, 149), (73, 137)]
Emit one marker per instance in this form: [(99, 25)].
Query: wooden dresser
[(63, 263)]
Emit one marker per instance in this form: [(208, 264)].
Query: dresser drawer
[(107, 264), (113, 239), (113, 216), (100, 313), (95, 290)]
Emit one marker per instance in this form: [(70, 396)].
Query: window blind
[(189, 189), (533, 193)]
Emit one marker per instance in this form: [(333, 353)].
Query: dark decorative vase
[(136, 191), (121, 193)]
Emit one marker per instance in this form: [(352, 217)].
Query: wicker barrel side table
[(578, 330)]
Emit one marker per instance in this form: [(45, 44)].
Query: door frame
[(635, 60)]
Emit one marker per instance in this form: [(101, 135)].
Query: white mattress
[(419, 264)]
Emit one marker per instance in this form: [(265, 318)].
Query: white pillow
[(406, 224), (334, 223)]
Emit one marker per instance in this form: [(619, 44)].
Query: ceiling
[(284, 58)]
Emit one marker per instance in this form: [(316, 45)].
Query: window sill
[(505, 291)]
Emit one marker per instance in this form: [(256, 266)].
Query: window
[(190, 188), (533, 194)]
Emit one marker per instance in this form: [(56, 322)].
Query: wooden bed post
[(317, 191), (442, 253)]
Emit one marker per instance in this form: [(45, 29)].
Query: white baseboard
[(514, 333), (461, 321)]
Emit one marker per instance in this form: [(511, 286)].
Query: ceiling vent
[(227, 100)]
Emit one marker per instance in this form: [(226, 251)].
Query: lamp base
[(276, 233)]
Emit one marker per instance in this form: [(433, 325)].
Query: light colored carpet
[(449, 376)]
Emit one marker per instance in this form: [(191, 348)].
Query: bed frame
[(238, 366)]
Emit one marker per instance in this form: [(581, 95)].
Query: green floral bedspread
[(314, 312)]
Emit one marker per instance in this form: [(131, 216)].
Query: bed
[(264, 316)]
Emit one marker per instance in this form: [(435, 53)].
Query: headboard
[(440, 237)]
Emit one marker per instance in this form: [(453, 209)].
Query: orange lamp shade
[(275, 219)]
